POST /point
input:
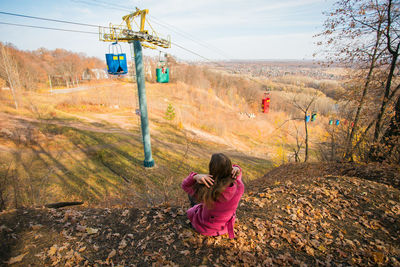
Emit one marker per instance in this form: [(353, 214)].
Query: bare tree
[(392, 34), (305, 108), (299, 145), (362, 35), (9, 67)]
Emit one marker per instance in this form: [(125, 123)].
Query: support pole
[(148, 159)]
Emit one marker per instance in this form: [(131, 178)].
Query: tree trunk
[(8, 68), (332, 144), (349, 148), (51, 86), (390, 139), (306, 138), (386, 99)]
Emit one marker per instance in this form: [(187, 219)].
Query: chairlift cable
[(47, 19), (194, 53), (78, 31), (46, 28), (100, 4), (75, 23), (160, 23), (188, 36), (91, 25), (121, 7)]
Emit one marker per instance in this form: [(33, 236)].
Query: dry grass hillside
[(86, 145), (296, 215)]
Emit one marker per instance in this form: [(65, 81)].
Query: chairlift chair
[(116, 62), (162, 70), (314, 116), (265, 102)]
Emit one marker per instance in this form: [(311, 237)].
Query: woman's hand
[(235, 172), (205, 179)]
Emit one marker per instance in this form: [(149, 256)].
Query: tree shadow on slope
[(91, 165)]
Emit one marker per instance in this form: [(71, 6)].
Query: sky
[(213, 29)]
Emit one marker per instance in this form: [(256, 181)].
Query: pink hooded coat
[(221, 218)]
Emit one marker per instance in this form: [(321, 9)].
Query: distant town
[(272, 69)]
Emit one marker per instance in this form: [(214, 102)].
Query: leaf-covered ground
[(298, 214)]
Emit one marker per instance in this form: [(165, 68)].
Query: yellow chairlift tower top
[(125, 33)]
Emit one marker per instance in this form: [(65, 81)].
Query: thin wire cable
[(188, 36), (46, 28), (116, 5), (216, 63), (68, 30), (98, 4), (160, 23), (194, 53), (46, 19), (78, 31), (163, 24)]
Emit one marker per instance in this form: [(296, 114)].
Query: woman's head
[(220, 167)]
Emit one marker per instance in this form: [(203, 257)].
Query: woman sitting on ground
[(218, 194)]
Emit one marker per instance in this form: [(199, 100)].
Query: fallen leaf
[(52, 250), (274, 244), (112, 254), (36, 227), (341, 253), (378, 257), (78, 257), (80, 228), (37, 236), (92, 231), (3, 227), (125, 212), (16, 259), (322, 248), (309, 250), (122, 244), (185, 252)]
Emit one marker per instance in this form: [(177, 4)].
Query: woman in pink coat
[(218, 193)]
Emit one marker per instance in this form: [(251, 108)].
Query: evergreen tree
[(170, 113)]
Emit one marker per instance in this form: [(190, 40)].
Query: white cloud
[(285, 46)]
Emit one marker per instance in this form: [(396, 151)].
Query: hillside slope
[(293, 215), (86, 146)]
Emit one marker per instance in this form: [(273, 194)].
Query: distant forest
[(31, 70)]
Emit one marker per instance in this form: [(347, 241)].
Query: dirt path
[(122, 126), (79, 88)]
